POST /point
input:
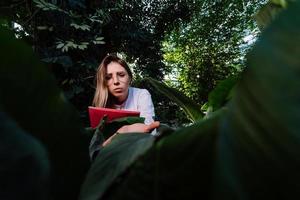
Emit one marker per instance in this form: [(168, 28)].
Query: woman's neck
[(120, 101)]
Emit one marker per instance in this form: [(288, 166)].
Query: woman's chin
[(120, 96)]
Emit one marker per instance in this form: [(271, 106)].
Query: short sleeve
[(145, 106)]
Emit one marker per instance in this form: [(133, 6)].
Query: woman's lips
[(118, 90)]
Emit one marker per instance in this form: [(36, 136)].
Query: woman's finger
[(153, 125)]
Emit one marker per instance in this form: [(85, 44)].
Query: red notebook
[(96, 114)]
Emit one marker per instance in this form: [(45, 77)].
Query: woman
[(113, 91)]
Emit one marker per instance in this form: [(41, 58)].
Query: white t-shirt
[(140, 100), (137, 100)]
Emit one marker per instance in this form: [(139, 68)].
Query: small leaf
[(60, 45), (42, 27), (219, 96), (64, 49), (99, 38), (64, 82)]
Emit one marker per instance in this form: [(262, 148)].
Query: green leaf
[(220, 95), (269, 12), (29, 95), (65, 48), (24, 163), (112, 127), (42, 27), (46, 6), (65, 61), (282, 3), (99, 38), (83, 27), (60, 45), (178, 166), (82, 46), (98, 42), (112, 161), (191, 108), (259, 147)]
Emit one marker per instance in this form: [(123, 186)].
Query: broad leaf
[(221, 94), (191, 108), (259, 146), (31, 98), (104, 130), (269, 11), (178, 166), (24, 165), (112, 127), (112, 161)]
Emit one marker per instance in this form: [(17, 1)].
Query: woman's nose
[(116, 80)]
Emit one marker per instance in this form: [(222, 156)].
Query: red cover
[(97, 113)]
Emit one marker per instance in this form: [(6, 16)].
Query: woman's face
[(117, 80)]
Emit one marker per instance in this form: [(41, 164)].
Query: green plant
[(249, 150), (33, 108), (190, 107), (211, 45)]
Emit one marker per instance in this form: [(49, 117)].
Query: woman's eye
[(107, 78)]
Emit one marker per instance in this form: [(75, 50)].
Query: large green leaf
[(112, 161), (178, 166), (31, 98), (24, 165), (112, 127), (259, 146), (191, 108)]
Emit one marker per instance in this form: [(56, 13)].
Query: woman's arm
[(138, 127)]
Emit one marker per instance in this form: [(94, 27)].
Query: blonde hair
[(102, 97)]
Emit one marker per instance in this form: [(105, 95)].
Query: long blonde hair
[(102, 97)]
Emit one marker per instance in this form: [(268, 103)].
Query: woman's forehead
[(114, 67)]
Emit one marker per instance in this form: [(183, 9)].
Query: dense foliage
[(247, 150), (211, 45), (159, 38), (73, 36)]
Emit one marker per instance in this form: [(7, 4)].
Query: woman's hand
[(138, 127)]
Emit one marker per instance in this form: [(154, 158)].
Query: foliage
[(24, 163), (36, 110), (191, 108), (70, 37), (223, 92), (217, 99), (269, 11), (121, 153), (210, 46), (249, 151), (112, 127), (73, 36)]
